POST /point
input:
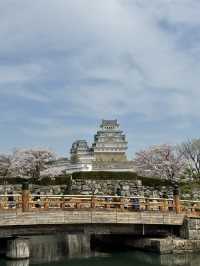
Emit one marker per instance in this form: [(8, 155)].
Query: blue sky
[(66, 64)]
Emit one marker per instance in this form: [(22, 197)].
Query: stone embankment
[(167, 245), (191, 229), (188, 241)]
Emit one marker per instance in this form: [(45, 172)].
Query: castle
[(109, 146), (107, 153)]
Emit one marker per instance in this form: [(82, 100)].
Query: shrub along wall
[(46, 181)]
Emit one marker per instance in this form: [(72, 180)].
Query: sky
[(67, 64)]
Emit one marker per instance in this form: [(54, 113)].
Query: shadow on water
[(74, 250)]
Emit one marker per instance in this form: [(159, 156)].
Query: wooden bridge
[(79, 212), (94, 209), (34, 214), (31, 214)]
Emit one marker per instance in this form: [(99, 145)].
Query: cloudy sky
[(66, 64)]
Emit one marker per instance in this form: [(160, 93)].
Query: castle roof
[(109, 122)]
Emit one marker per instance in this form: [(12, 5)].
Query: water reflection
[(57, 247), (144, 259), (78, 246), (24, 262), (47, 248), (135, 258), (180, 259)]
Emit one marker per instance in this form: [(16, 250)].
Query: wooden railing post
[(25, 197), (46, 204), (193, 209), (122, 202), (147, 204), (177, 204), (93, 202), (165, 202)]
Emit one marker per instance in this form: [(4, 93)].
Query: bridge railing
[(98, 202), (10, 201), (190, 207), (35, 202)]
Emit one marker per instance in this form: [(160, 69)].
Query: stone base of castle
[(110, 157)]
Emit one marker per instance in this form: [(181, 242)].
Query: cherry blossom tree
[(42, 157), (191, 152), (53, 171), (29, 162), (163, 161), (5, 161)]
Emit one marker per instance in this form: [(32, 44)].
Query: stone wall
[(85, 186), (109, 187), (104, 187), (191, 229), (167, 245)]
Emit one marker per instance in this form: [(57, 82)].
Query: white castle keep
[(109, 145)]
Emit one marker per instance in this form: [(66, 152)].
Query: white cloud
[(101, 58), (51, 128), (19, 73)]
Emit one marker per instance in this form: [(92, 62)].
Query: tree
[(53, 172), (29, 162), (191, 152), (42, 157), (163, 161), (4, 165)]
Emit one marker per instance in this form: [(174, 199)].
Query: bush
[(46, 181)]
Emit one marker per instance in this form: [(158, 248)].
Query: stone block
[(85, 188), (85, 192)]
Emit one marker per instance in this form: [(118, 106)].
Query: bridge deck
[(18, 218)]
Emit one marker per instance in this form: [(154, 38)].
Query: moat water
[(53, 251), (130, 258)]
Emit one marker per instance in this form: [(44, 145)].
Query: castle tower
[(110, 143), (80, 152)]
